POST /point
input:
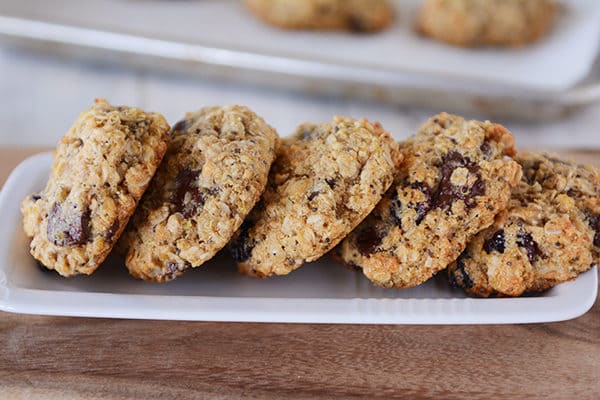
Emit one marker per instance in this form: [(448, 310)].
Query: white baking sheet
[(320, 292), (554, 64)]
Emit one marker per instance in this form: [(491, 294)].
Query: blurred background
[(177, 56)]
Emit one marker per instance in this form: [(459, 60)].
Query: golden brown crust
[(214, 172), (101, 168), (326, 179), (471, 23), (455, 178), (548, 235), (350, 15)]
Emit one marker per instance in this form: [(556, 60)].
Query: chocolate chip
[(463, 280), (187, 197), (447, 193), (330, 182), (478, 189), (495, 243), (181, 126), (312, 195), (422, 207), (485, 148), (110, 232), (68, 226), (595, 225), (36, 197), (367, 241), (525, 240), (241, 246)]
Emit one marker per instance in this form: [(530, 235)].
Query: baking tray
[(319, 292), (228, 44)]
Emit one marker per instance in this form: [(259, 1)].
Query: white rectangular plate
[(321, 292), (223, 33)]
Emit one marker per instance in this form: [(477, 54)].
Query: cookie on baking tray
[(455, 177), (549, 234), (350, 15), (101, 168), (325, 180), (215, 170), (471, 23)]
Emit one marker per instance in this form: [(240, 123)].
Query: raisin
[(422, 207), (525, 240), (181, 126), (595, 225), (367, 241), (495, 243), (186, 189), (68, 227), (312, 195), (485, 148), (241, 246), (464, 280), (446, 192), (36, 197)]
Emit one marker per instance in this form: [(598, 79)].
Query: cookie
[(471, 23), (215, 170), (456, 176), (349, 15), (325, 180), (101, 168), (549, 234)]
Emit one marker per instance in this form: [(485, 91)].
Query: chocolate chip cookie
[(456, 176), (471, 23), (215, 170), (101, 168), (325, 180), (549, 234), (350, 15)]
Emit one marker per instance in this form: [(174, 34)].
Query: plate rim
[(429, 311)]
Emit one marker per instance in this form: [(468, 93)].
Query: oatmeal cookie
[(456, 176), (325, 180), (351, 15), (101, 168), (471, 23), (215, 170), (549, 234)]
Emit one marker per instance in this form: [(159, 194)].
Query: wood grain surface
[(85, 358)]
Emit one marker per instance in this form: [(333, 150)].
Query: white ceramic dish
[(321, 292), (221, 25)]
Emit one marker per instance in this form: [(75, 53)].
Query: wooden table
[(86, 358)]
